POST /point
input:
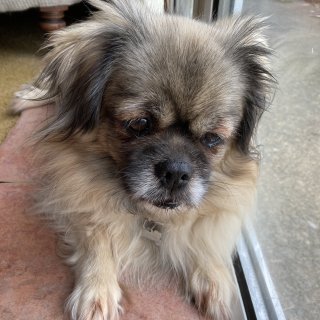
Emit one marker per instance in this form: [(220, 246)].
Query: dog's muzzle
[(168, 173)]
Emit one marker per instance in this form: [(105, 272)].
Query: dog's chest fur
[(145, 246)]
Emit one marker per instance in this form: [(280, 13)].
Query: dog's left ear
[(248, 49)]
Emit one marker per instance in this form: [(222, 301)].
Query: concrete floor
[(288, 217)]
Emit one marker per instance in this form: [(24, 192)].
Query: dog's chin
[(168, 205), (159, 208)]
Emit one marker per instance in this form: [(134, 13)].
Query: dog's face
[(168, 98), (171, 110)]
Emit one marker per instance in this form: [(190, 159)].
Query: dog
[(149, 161)]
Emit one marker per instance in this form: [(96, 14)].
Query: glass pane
[(288, 218)]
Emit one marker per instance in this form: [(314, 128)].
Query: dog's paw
[(211, 297), (95, 302)]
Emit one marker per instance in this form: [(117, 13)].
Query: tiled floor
[(33, 282)]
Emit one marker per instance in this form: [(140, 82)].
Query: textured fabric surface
[(18, 5)]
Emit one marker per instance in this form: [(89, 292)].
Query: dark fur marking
[(79, 96), (258, 84)]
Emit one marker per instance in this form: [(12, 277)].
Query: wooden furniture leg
[(52, 18)]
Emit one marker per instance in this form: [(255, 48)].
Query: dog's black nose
[(173, 174)]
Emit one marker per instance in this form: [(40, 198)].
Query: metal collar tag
[(152, 230)]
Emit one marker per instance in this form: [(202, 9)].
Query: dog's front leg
[(97, 293), (210, 291)]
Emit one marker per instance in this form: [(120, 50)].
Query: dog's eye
[(211, 140), (138, 127)]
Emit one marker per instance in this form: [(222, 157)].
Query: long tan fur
[(216, 78)]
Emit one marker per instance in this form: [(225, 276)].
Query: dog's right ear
[(244, 42), (78, 66)]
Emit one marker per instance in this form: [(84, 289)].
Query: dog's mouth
[(166, 204)]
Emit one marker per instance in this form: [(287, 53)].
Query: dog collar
[(152, 230)]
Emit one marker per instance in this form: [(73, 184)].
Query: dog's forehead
[(182, 72)]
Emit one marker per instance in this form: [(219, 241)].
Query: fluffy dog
[(149, 165)]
